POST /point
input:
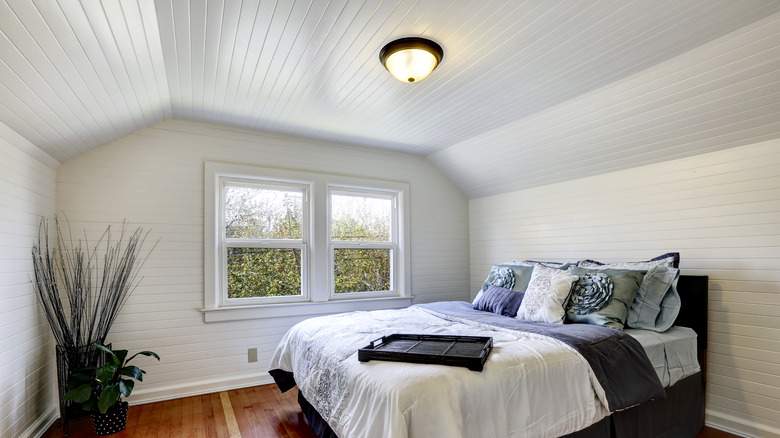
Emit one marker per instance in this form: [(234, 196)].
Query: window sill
[(262, 311)]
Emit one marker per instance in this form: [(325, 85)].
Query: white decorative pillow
[(546, 294)]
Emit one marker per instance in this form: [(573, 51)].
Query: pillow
[(545, 295), (559, 265), (603, 296), (499, 300), (670, 259), (514, 276), (657, 302)]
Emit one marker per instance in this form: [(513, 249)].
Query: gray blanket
[(618, 360)]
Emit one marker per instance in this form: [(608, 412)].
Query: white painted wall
[(28, 381), (154, 178), (721, 211)]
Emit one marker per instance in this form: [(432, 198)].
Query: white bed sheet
[(672, 353)]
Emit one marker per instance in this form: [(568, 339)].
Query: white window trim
[(318, 276)]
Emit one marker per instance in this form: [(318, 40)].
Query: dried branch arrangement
[(94, 281)]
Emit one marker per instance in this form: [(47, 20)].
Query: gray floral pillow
[(620, 285), (590, 293)]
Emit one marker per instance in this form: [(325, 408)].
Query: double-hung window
[(263, 241), (363, 242), (281, 242)]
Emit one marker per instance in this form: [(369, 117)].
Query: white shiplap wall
[(154, 178), (27, 378), (721, 211)]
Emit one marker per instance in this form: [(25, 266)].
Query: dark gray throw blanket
[(618, 360)]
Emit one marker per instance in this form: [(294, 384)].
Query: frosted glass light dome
[(411, 59)]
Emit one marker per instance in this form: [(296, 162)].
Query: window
[(363, 241), (282, 242), (263, 241)]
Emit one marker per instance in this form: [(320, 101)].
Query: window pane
[(361, 270), (263, 272), (363, 218), (263, 213)]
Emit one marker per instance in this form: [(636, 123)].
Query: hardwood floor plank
[(144, 419), (233, 426), (256, 412), (198, 426)]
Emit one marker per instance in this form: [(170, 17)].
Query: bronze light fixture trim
[(411, 59)]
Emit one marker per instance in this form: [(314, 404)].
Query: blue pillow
[(500, 301), (657, 302)]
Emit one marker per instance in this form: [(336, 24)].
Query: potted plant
[(100, 389), (81, 289)]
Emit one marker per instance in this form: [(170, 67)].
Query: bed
[(573, 380)]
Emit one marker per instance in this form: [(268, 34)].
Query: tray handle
[(376, 342)]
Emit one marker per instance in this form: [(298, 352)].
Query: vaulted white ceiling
[(78, 74)]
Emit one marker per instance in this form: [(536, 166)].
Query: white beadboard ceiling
[(75, 75)]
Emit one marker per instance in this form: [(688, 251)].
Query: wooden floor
[(256, 412)]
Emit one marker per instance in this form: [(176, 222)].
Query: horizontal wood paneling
[(27, 378), (154, 178), (721, 211)]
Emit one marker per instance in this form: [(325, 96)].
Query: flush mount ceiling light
[(411, 59)]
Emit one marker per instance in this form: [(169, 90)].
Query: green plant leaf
[(79, 394), (133, 371), (106, 374), (120, 356), (108, 397), (145, 353), (126, 387), (108, 352), (81, 376)]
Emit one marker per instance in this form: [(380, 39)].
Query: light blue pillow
[(657, 302), (513, 276)]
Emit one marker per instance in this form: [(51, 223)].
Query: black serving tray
[(462, 351)]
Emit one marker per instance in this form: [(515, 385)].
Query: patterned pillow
[(514, 276), (603, 296), (591, 293), (500, 301), (545, 295)]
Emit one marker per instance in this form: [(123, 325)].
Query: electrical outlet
[(252, 354)]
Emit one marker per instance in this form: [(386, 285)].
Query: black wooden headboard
[(694, 294)]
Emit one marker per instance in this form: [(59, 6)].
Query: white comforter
[(532, 385)]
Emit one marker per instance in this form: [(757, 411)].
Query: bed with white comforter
[(533, 384)]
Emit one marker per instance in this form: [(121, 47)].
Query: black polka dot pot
[(114, 420)]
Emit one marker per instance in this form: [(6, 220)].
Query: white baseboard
[(170, 392), (42, 423), (739, 426)]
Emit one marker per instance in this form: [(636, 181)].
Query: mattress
[(672, 353)]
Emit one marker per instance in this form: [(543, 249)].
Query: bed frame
[(679, 415)]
